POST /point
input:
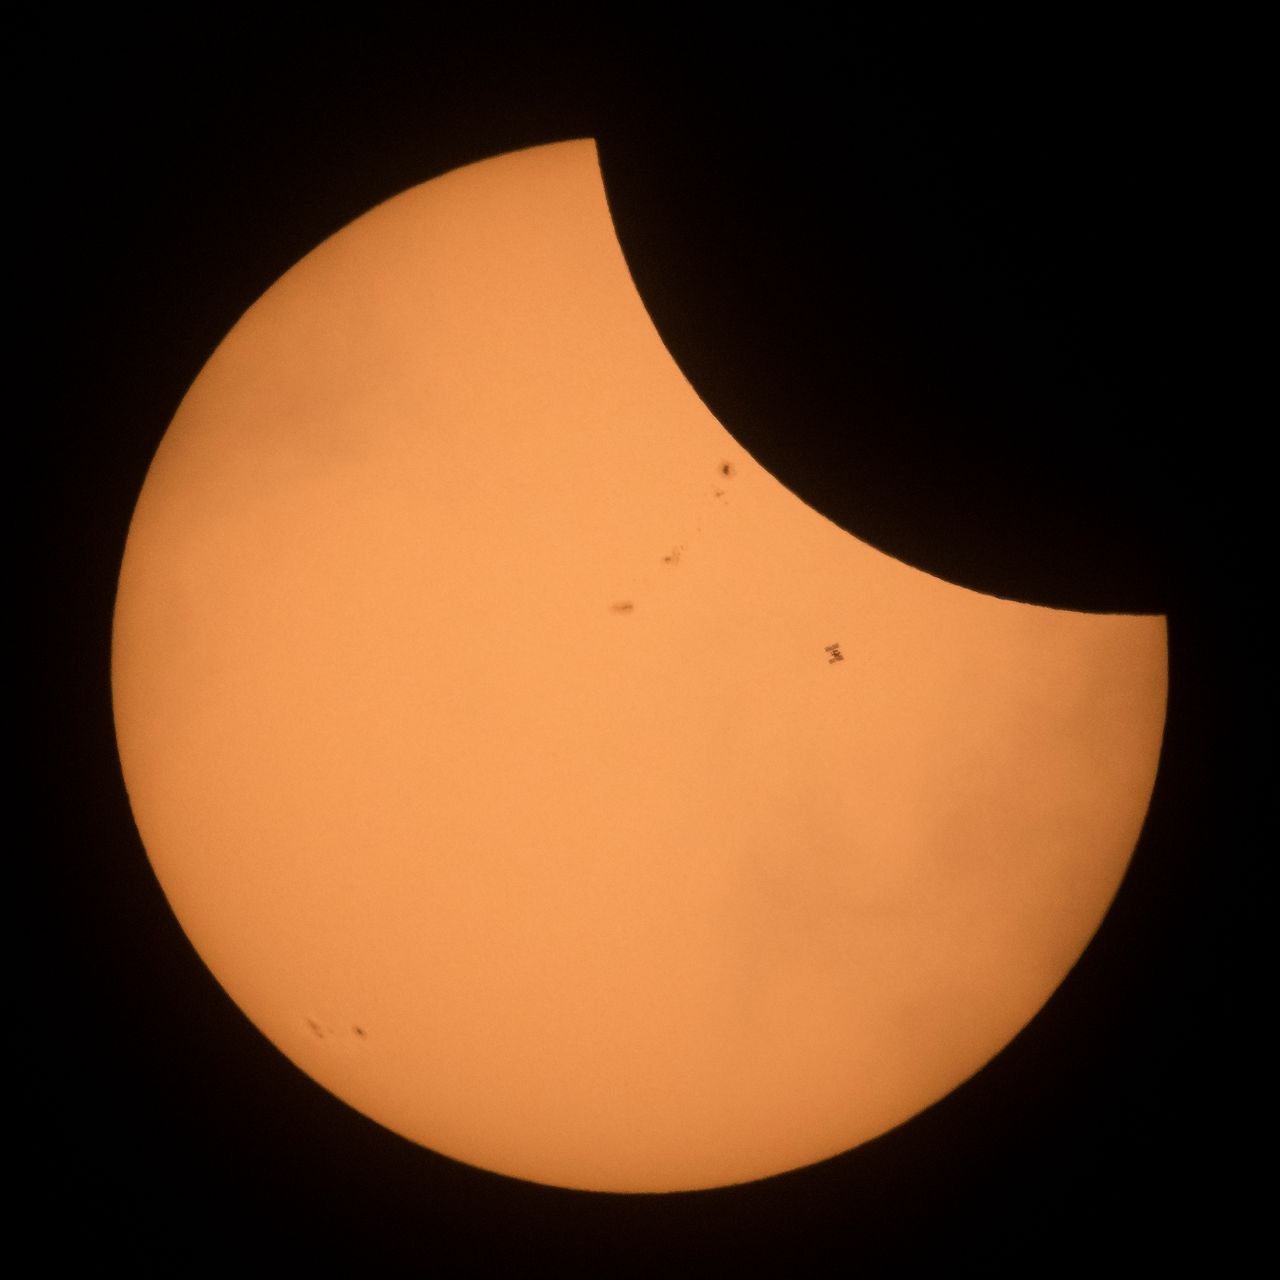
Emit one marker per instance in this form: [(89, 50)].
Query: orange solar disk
[(545, 779)]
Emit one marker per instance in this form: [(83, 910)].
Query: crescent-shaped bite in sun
[(545, 779)]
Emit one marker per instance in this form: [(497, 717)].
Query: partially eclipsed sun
[(545, 779)]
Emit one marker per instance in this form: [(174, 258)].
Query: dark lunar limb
[(949, 302)]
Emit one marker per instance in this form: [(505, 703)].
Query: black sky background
[(964, 288)]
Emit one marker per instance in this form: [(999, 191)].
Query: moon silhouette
[(545, 779)]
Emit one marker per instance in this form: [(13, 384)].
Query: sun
[(545, 779)]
